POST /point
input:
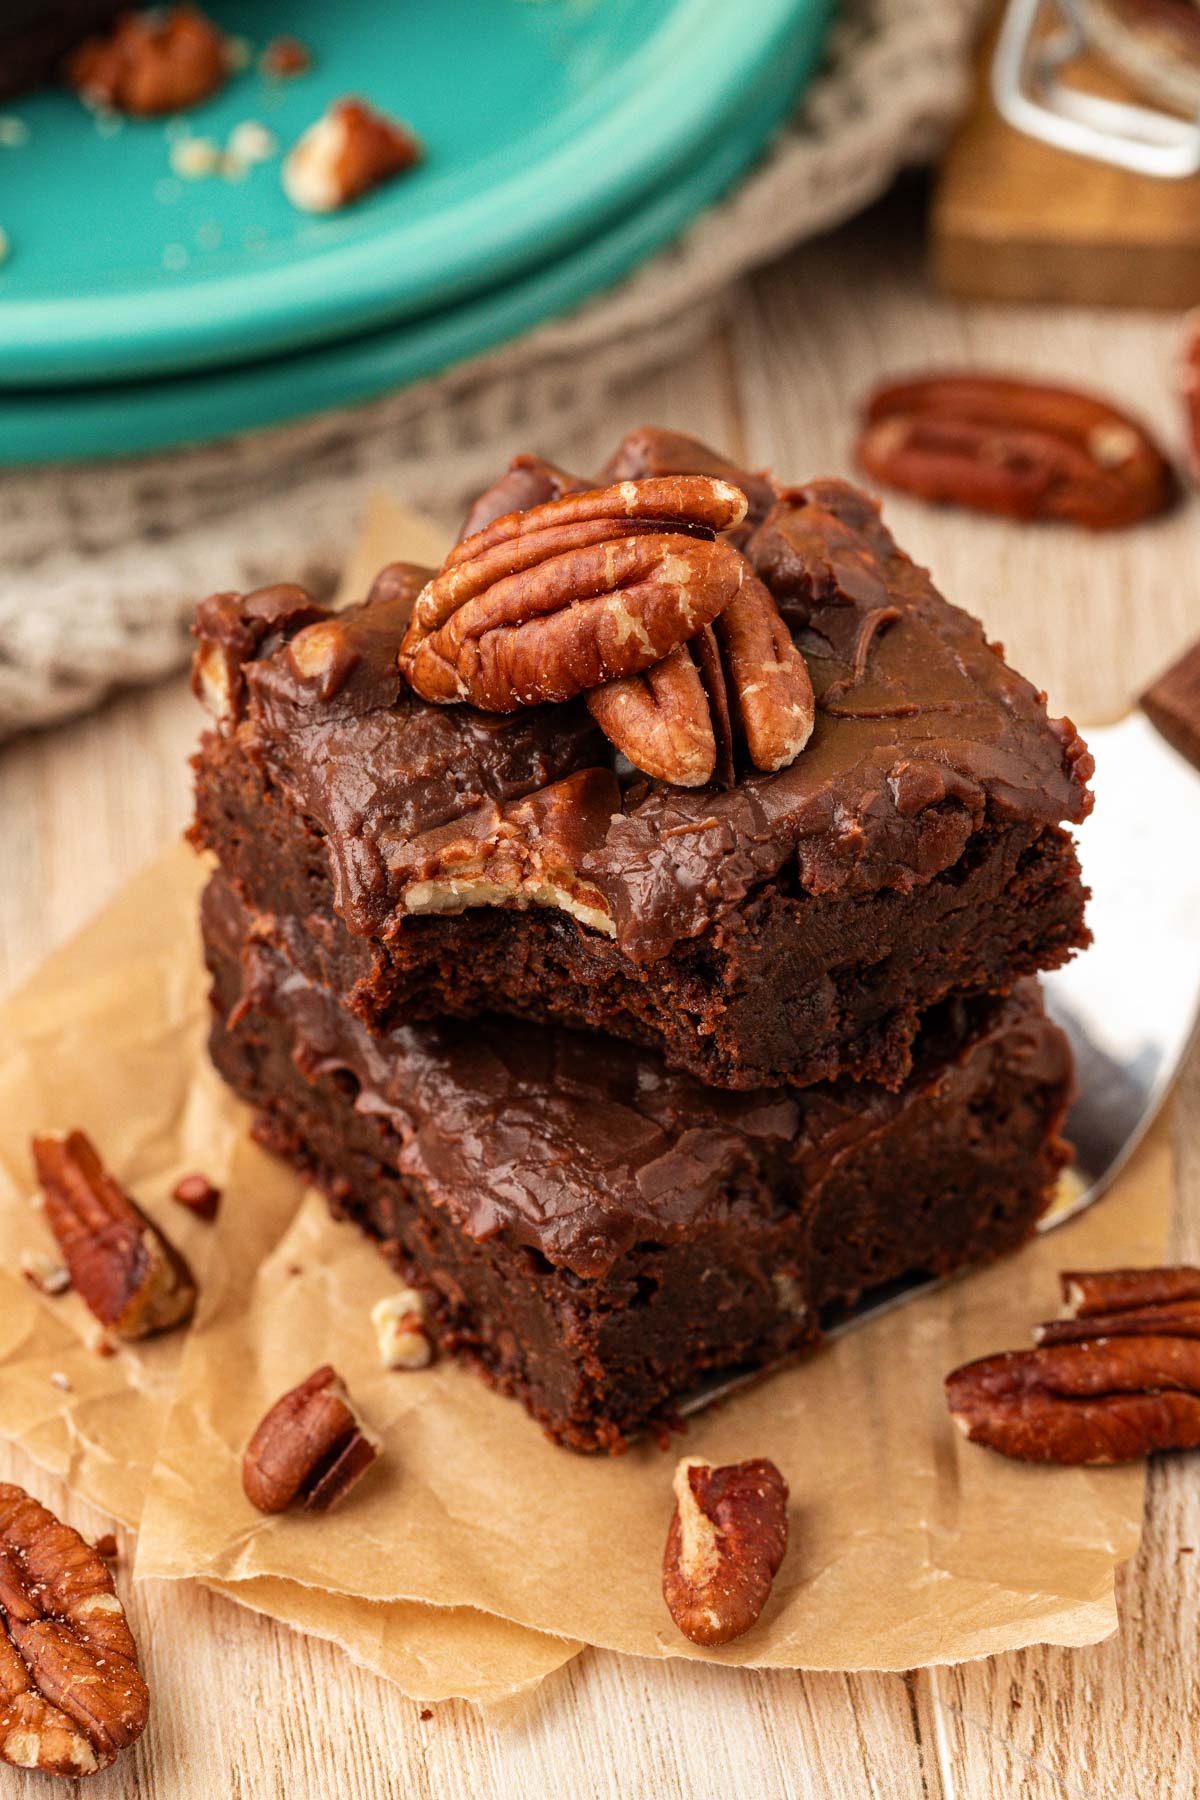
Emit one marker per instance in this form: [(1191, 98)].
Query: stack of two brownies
[(637, 1082)]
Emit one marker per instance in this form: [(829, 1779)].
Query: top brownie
[(774, 927)]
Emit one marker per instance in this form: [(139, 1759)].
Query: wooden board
[(1014, 219), (244, 1708)]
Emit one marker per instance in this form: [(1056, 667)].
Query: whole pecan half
[(311, 1446), (1115, 1381), (1018, 448), (741, 680), (71, 1694), (727, 1539), (120, 1263), (545, 604)]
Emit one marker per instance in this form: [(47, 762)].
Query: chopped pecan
[(121, 1265), (231, 630), (71, 1694), (727, 1539), (1117, 1381), (525, 852), (198, 1194), (1018, 448), (399, 1321), (545, 604), (311, 1446), (45, 1272), (348, 151), (153, 62), (743, 677), (322, 654)]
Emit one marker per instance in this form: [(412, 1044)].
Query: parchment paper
[(909, 1546), (109, 1036)]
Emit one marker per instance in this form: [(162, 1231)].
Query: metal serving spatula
[(1130, 1003)]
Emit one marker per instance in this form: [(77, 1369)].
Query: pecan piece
[(399, 1321), (1017, 448), (545, 604), (198, 1195), (526, 852), (311, 1446), (1116, 1382), (71, 1694), (348, 151), (727, 1539), (232, 630), (1090, 1291), (121, 1265), (284, 57), (742, 678), (152, 62)]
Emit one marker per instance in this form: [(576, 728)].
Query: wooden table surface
[(245, 1708)]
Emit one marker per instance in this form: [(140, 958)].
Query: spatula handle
[(1172, 704)]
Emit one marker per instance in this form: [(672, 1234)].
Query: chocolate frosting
[(923, 733), (579, 1147)]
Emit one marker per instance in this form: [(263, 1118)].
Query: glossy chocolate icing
[(580, 1147), (923, 734)]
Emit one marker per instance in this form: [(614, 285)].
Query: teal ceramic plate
[(545, 122), (131, 418)]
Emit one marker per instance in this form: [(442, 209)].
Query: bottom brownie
[(596, 1234)]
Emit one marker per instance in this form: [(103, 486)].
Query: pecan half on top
[(727, 1539), (545, 604), (739, 681), (71, 1695), (130, 1277), (311, 1446), (1018, 448), (1115, 1380)]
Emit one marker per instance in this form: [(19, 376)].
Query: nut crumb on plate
[(152, 62), (348, 151), (285, 56)]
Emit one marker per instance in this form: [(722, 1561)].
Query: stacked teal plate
[(566, 140)]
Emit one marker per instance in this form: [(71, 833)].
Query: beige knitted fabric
[(103, 563)]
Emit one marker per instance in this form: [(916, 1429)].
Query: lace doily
[(104, 562)]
